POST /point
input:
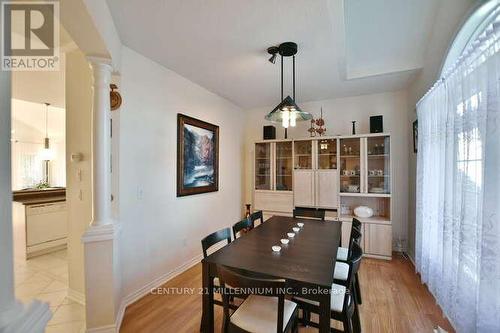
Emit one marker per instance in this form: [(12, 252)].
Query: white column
[(101, 142), (102, 272), (14, 316)]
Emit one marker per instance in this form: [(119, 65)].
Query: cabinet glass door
[(350, 165), (378, 164), (327, 153), (303, 154), (263, 166), (284, 166)]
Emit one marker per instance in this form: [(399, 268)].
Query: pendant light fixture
[(287, 112), (46, 154)]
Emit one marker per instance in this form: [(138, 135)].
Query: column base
[(102, 277), (29, 318)]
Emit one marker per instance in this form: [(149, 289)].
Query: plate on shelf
[(377, 190)]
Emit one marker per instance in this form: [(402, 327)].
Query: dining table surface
[(306, 263)]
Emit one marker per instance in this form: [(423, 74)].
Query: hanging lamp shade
[(289, 106), (287, 112)]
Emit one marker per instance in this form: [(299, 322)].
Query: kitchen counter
[(36, 196), (40, 220)]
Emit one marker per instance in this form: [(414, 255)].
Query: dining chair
[(257, 216), (343, 252), (211, 240), (265, 308), (343, 307), (341, 271), (242, 226), (317, 214)]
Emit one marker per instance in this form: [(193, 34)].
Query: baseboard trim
[(103, 329), (76, 296), (145, 290)]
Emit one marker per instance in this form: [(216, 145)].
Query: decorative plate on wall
[(115, 97)]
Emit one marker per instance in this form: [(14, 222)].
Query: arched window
[(468, 32)]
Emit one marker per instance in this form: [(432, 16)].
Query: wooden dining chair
[(211, 240), (265, 308), (242, 226), (343, 252), (257, 216), (316, 214), (341, 271), (343, 307)]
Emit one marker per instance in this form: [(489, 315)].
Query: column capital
[(100, 61)]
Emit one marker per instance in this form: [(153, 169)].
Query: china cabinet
[(337, 174)]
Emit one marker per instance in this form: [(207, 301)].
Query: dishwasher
[(46, 228)]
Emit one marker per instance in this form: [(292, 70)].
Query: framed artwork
[(415, 136), (197, 156)]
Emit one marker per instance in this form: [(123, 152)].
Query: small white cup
[(276, 248), (300, 224), (284, 241), (291, 234), (296, 229)]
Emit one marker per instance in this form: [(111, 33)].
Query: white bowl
[(284, 241), (363, 211), (300, 224), (291, 234), (276, 248), (296, 229)]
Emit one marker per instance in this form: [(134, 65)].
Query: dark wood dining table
[(306, 263)]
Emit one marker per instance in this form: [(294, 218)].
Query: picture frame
[(415, 136), (197, 156)]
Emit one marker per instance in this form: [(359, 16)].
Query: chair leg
[(356, 323), (358, 289), (347, 325), (307, 317)]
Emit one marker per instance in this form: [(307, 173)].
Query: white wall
[(79, 181), (338, 114), (449, 17), (161, 232)]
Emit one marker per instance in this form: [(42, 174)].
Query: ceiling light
[(287, 112), (273, 51)]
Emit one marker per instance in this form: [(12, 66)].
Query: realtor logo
[(30, 36)]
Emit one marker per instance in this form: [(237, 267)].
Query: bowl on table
[(296, 229), (276, 248), (284, 241), (300, 224), (291, 234)]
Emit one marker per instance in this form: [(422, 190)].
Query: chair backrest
[(214, 238), (257, 216), (354, 261), (354, 238), (243, 225), (247, 285), (356, 223), (318, 214)]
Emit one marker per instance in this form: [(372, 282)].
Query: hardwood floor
[(394, 300)]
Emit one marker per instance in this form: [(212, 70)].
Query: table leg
[(207, 318), (324, 312)]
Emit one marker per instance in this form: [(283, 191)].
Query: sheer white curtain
[(458, 187)]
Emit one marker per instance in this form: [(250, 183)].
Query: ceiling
[(346, 48)]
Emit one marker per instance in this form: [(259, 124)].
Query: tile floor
[(46, 278)]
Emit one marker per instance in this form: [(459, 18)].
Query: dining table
[(306, 263)]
